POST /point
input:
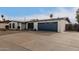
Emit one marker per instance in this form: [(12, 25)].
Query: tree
[(2, 16), (51, 15), (77, 15), (3, 19)]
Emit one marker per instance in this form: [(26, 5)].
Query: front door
[(30, 26)]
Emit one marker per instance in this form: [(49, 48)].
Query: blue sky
[(25, 11), (38, 12)]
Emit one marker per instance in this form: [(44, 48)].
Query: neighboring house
[(55, 24), (4, 25)]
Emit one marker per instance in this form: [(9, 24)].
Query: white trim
[(26, 26), (35, 26), (20, 26)]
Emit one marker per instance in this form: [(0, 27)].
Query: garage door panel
[(49, 26)]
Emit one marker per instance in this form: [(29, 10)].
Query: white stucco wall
[(61, 24), (16, 24), (23, 26), (35, 26), (26, 26), (10, 23), (19, 24)]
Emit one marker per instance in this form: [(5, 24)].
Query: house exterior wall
[(36, 23), (23, 26), (16, 24), (26, 26), (2, 25), (19, 24), (35, 26), (61, 24)]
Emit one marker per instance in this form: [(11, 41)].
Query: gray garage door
[(48, 26)]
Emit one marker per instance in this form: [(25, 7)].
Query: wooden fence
[(72, 27)]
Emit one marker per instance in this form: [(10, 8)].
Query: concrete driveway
[(40, 41)]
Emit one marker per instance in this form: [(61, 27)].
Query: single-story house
[(55, 24)]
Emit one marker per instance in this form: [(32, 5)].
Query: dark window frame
[(13, 25), (10, 25)]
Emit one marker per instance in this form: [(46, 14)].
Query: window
[(18, 27), (13, 25), (7, 26), (10, 25)]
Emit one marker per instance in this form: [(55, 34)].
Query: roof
[(37, 20), (7, 21), (65, 18), (18, 21)]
